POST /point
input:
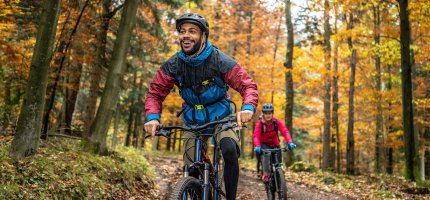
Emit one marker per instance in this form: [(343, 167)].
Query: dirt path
[(168, 171)]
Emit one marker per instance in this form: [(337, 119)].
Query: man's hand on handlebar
[(244, 116), (151, 126)]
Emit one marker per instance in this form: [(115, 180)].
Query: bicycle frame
[(275, 164), (210, 171)]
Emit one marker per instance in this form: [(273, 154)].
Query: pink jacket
[(270, 137)]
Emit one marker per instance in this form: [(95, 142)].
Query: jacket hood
[(198, 60)]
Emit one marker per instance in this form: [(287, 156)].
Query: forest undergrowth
[(61, 170)]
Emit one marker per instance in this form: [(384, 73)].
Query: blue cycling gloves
[(291, 146), (257, 149)]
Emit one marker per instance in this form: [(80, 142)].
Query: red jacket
[(236, 78), (270, 137)]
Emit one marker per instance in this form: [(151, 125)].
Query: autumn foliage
[(252, 32)]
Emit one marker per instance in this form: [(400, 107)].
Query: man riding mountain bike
[(266, 137), (203, 75)]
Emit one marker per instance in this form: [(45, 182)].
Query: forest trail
[(168, 171)]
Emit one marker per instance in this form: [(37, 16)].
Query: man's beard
[(193, 50)]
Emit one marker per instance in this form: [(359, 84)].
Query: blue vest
[(201, 85)]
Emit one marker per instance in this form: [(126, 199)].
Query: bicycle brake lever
[(160, 132), (164, 133)]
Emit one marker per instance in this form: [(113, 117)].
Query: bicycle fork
[(275, 167), (276, 178), (206, 182)]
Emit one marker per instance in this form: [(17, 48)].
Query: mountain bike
[(276, 184), (207, 182)]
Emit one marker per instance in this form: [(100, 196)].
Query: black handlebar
[(275, 150), (165, 131)]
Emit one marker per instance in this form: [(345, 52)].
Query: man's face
[(267, 116), (190, 38)]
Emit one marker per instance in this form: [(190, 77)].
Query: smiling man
[(203, 75)]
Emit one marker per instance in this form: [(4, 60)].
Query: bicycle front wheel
[(220, 174), (270, 190), (282, 184), (187, 188)]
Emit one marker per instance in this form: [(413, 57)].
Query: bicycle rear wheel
[(282, 184), (187, 188)]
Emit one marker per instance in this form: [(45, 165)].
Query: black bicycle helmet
[(268, 107), (195, 19)]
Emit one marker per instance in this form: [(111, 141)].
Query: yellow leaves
[(10, 8)]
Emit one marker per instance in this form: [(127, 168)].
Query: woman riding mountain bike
[(266, 137), (203, 75), (275, 186)]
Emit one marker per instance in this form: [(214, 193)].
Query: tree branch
[(113, 12), (66, 136)]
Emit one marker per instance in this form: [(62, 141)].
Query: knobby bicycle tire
[(282, 184), (270, 190), (220, 161), (189, 186)]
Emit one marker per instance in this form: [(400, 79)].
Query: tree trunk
[(99, 128), (411, 155), (242, 140), (249, 36), (289, 77), (62, 59), (252, 139), (327, 88), (72, 93), (275, 50), (175, 137), (422, 165), (129, 127), (350, 152), (180, 142), (390, 161), (248, 55), (232, 47), (132, 117), (426, 165), (379, 139), (335, 111), (26, 139), (139, 109), (100, 63), (168, 143), (155, 143), (116, 125), (8, 105)]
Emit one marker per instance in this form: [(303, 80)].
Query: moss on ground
[(61, 170)]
